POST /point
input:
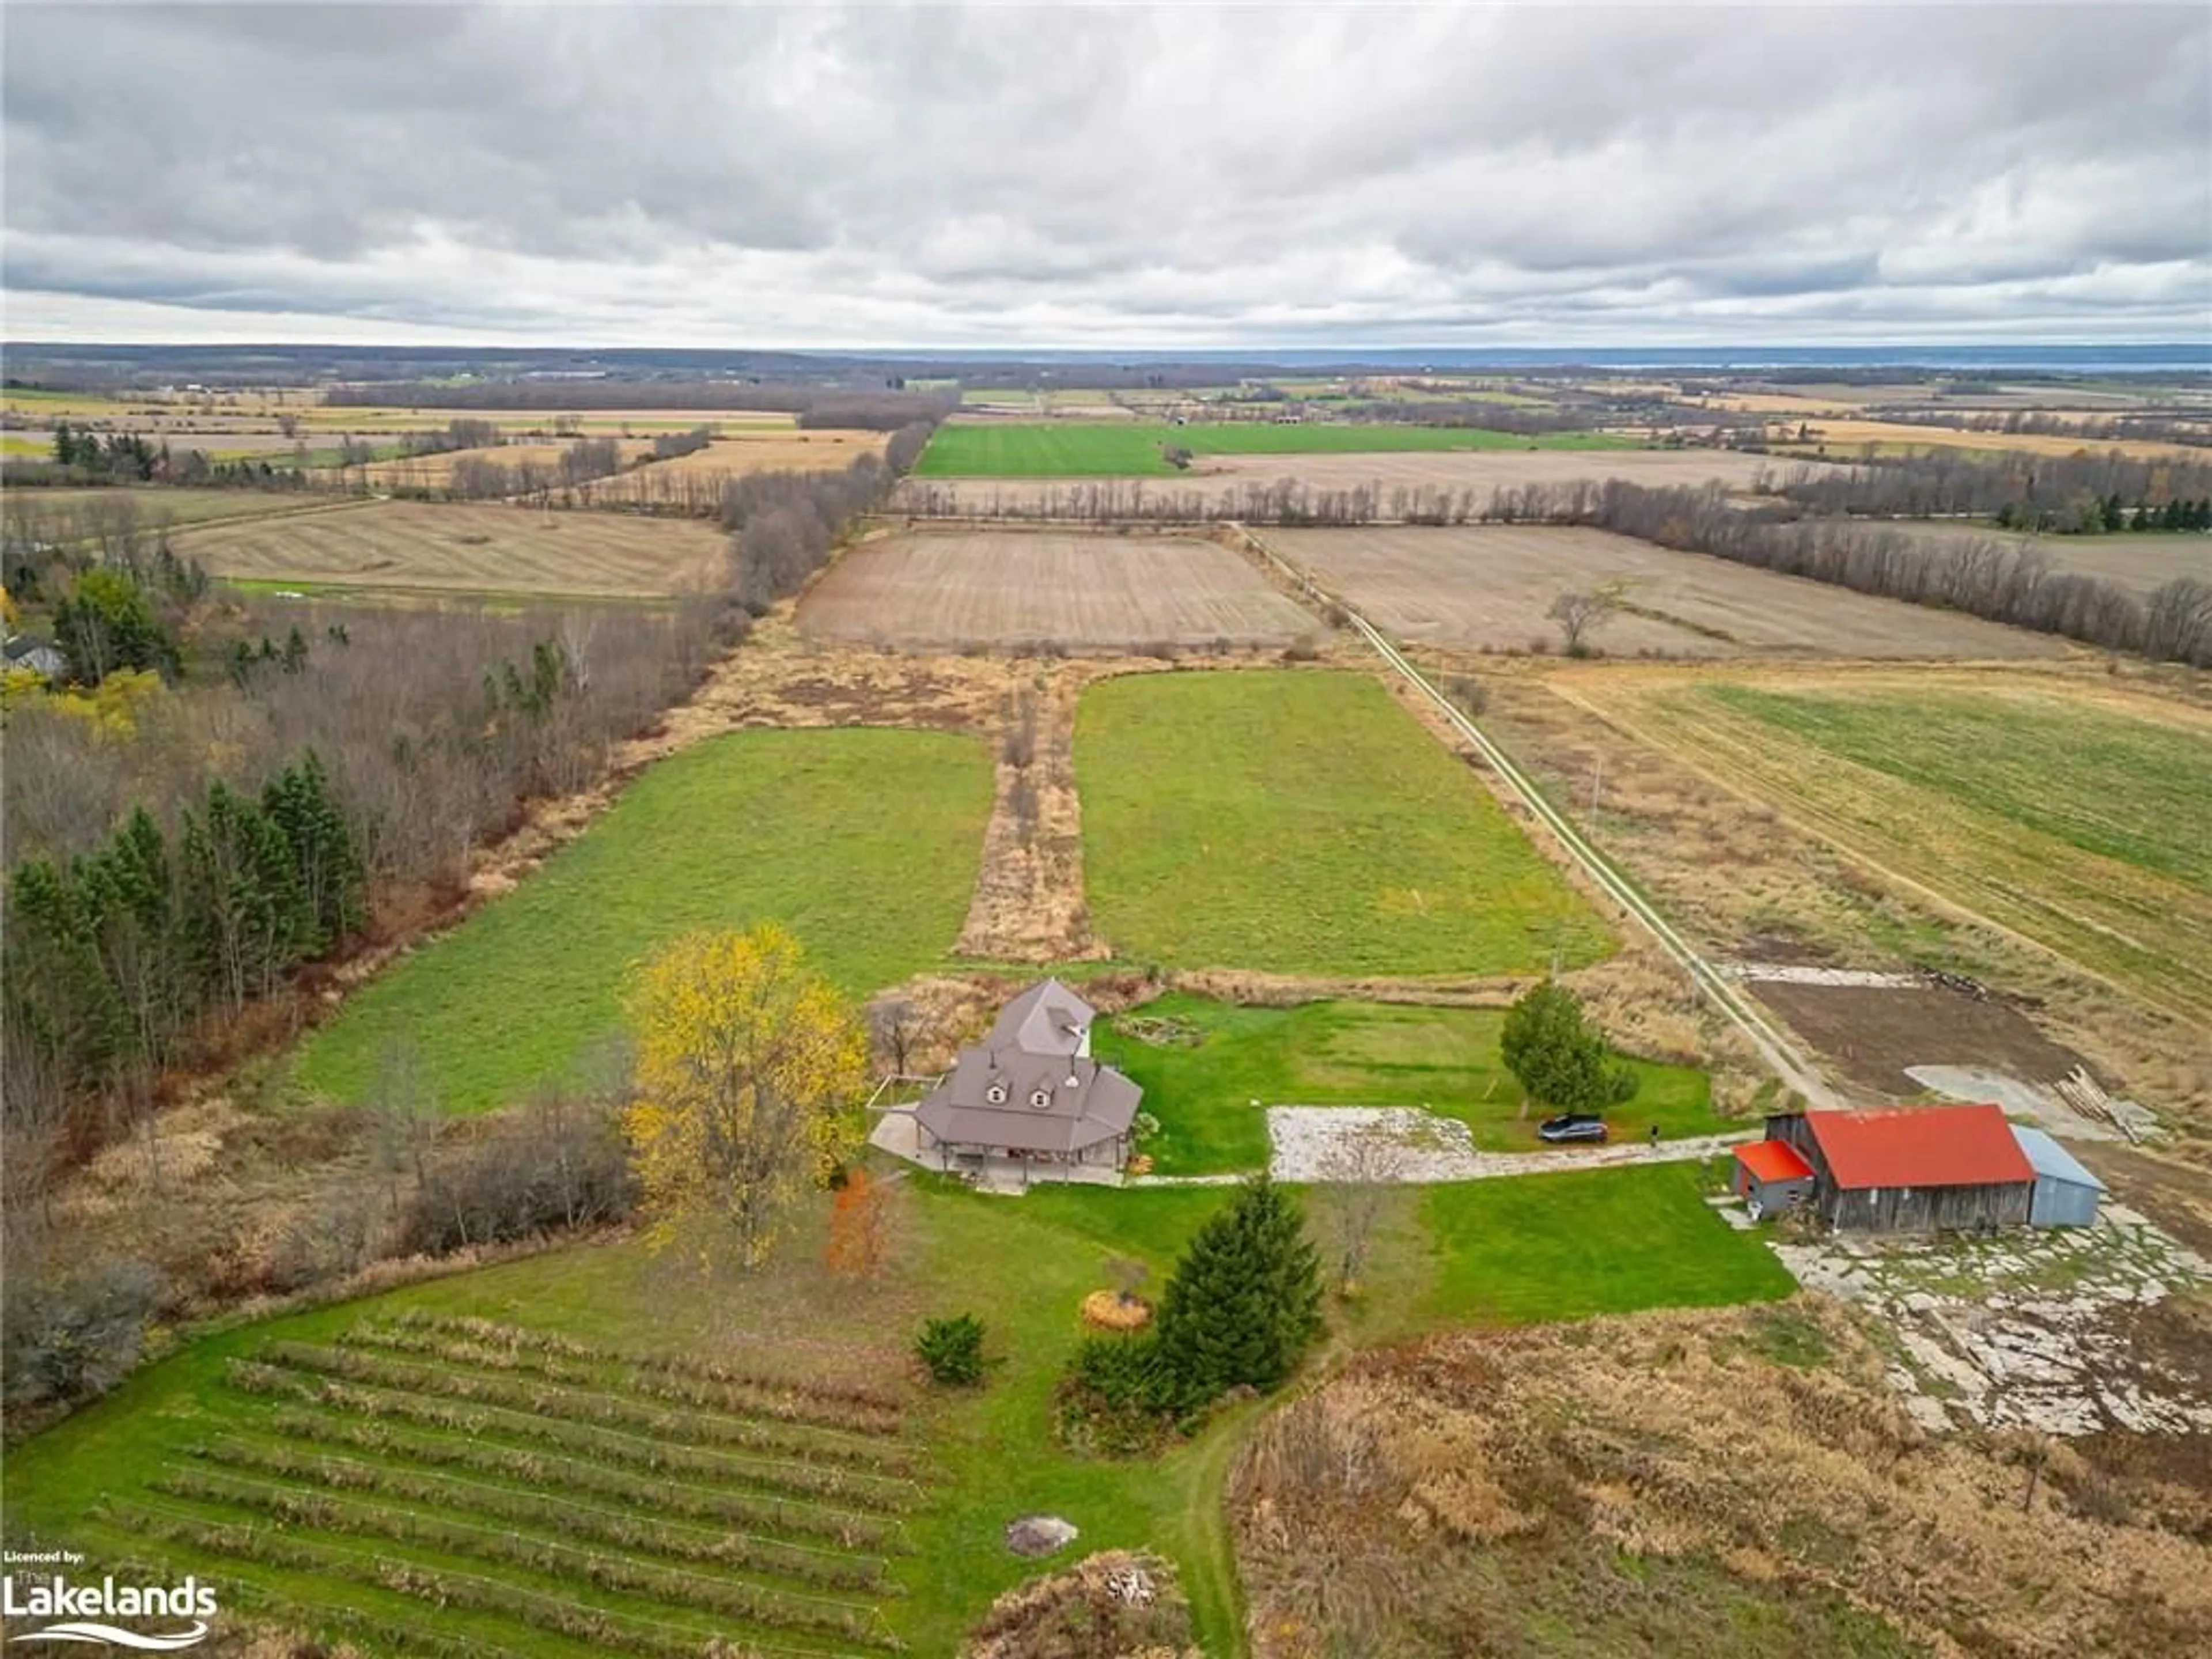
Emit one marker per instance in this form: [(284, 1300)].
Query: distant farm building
[(1913, 1170), (2066, 1195), (1031, 1096)]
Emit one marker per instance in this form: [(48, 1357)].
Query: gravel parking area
[(1405, 1144)]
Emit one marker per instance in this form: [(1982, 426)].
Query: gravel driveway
[(1405, 1144)]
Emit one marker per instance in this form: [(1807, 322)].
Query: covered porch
[(997, 1169)]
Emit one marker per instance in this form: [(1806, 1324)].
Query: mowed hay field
[(466, 549), (2077, 815), (1491, 585), (1074, 449), (1217, 477), (864, 842), (950, 590), (1298, 821)]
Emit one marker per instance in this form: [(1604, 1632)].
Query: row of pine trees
[(116, 956)]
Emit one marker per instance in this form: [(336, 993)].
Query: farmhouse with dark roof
[(1030, 1094)]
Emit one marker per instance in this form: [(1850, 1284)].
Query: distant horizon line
[(2191, 351)]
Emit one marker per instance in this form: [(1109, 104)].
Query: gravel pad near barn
[(2060, 1330), (1012, 589)]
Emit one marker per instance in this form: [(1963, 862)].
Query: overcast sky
[(1291, 175)]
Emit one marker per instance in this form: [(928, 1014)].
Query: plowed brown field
[(1012, 588)]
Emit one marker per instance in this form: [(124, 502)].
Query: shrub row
[(442, 1587), (743, 1400), (767, 1441), (636, 1451), (768, 1513), (642, 1534), (732, 1598), (707, 1370)]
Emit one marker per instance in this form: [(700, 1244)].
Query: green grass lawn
[(863, 843), (1531, 1248), (1506, 1250), (1079, 449), (1300, 822), (2126, 789), (1354, 1054)]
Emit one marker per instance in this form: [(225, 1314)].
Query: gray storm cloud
[(1564, 174)]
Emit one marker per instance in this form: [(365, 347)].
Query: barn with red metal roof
[(1913, 1168), (1770, 1177)]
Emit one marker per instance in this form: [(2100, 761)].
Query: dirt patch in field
[(1873, 1033)]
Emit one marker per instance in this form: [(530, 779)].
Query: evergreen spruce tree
[(325, 865), (1557, 1056), (138, 936), (244, 913), (54, 976), (1245, 1299)]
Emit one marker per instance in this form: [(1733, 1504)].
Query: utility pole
[(1597, 781)]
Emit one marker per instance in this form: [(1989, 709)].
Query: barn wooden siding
[(1902, 1209)]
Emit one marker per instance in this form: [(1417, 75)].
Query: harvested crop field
[(1853, 436), (1217, 477), (827, 450), (465, 549), (435, 471), (2138, 563), (62, 514), (1014, 588), (1490, 586)]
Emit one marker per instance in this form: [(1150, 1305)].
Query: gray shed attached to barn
[(2066, 1195)]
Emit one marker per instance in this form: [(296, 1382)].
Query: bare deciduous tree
[(1356, 1174), (893, 1025), (1581, 614)]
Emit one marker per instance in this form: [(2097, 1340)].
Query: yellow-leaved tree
[(750, 1068)]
